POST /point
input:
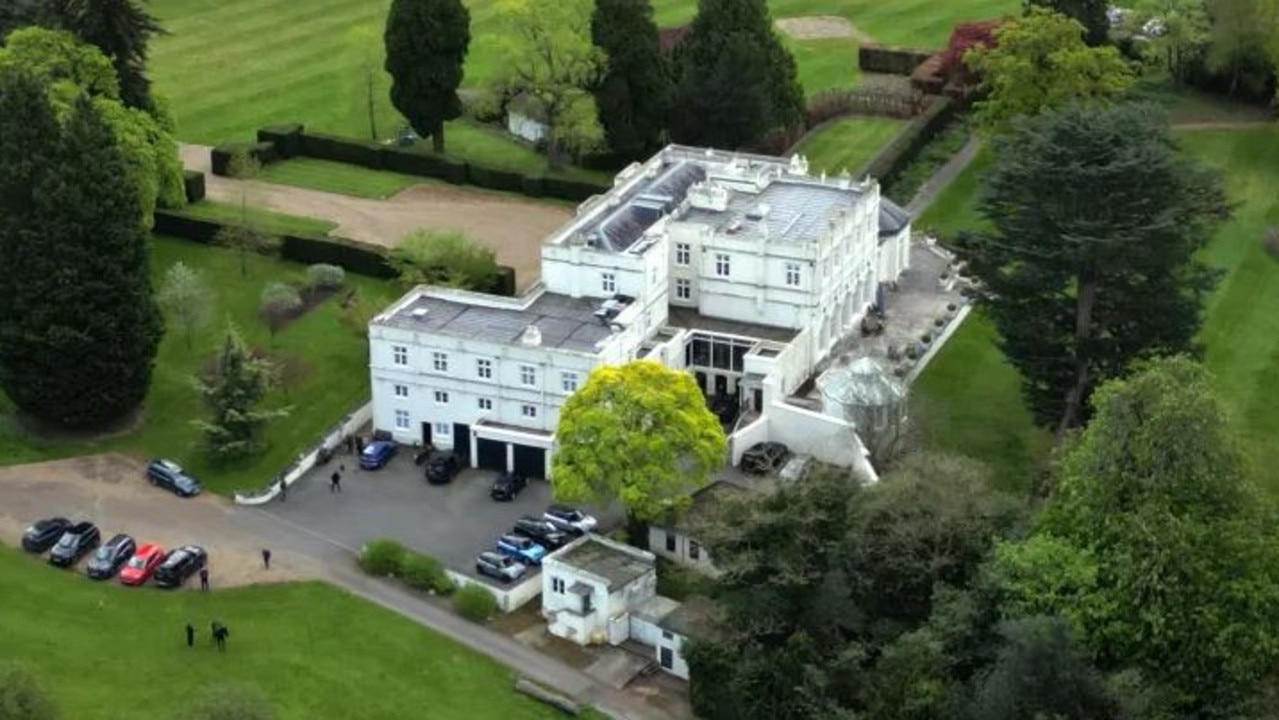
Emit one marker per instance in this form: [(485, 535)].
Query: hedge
[(340, 149), (411, 161), (382, 557), (351, 255), (475, 603), (890, 59), (494, 178), (263, 152), (906, 145), (287, 139), (193, 185), (425, 573), (179, 224)]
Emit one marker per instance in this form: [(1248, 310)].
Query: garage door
[(491, 454), (530, 461)]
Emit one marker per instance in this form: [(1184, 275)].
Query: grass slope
[(955, 208), (324, 369), (105, 652), (848, 143)]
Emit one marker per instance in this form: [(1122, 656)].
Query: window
[(568, 381), (528, 375), (441, 397), (694, 550), (401, 419), (401, 391), (683, 289), (484, 403), (440, 361), (443, 430), (587, 607), (670, 541), (682, 253), (608, 282), (399, 355), (722, 266), (792, 274), (484, 369), (557, 585), (667, 635), (528, 411)]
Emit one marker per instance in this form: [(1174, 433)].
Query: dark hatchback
[(74, 543), (180, 565), (442, 467), (44, 533), (170, 476), (112, 556), (507, 485)]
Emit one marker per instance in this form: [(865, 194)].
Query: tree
[(227, 702), (122, 30), (244, 237), (426, 44), (633, 96), (1040, 62), (15, 14), (1177, 32), (550, 59), (369, 84), (639, 433), (186, 298), (21, 697), (279, 302), (1091, 14), (1090, 262), (765, 94), (1041, 672), (426, 257), (1178, 572), (79, 328), (233, 391), (1238, 38)]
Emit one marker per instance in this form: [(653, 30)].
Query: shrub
[(193, 185), (425, 573), (951, 307), (926, 338), (278, 297), (382, 557), (474, 603), (939, 322), (325, 276), (444, 258)]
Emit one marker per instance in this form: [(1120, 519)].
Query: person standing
[(284, 490), (190, 635), (335, 482), (204, 579), (266, 558)]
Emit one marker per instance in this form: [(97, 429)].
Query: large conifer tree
[(78, 326), (122, 30), (634, 95), (426, 44)]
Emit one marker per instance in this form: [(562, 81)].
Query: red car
[(144, 562)]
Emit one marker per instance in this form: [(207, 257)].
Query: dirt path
[(822, 27), (111, 491), (1225, 125), (513, 227)]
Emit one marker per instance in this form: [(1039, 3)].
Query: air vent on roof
[(734, 226), (759, 212), (531, 336), (419, 313)]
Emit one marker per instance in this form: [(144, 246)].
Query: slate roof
[(564, 322)]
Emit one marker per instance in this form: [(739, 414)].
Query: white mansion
[(742, 269)]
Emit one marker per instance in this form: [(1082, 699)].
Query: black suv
[(507, 485), (170, 476), (763, 458), (542, 532), (44, 533), (112, 556), (442, 467), (74, 543), (180, 565)]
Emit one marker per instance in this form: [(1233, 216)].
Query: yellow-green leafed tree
[(639, 433)]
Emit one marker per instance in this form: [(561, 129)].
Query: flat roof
[(690, 319), (617, 566), (797, 211), (694, 617), (563, 322)]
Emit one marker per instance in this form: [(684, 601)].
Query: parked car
[(377, 454), (142, 565), (180, 565), (442, 467), (542, 532), (44, 533), (501, 567), (763, 458), (169, 475), (570, 520), (521, 548), (507, 485), (74, 543), (112, 556)]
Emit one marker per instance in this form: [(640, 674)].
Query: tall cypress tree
[(122, 30), (732, 28), (426, 45), (80, 329), (634, 95)]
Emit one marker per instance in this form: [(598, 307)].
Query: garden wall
[(889, 59), (510, 597)]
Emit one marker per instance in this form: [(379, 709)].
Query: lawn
[(338, 177), (323, 366), (265, 220), (103, 651), (955, 208), (848, 143)]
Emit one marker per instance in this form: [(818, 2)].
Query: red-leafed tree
[(963, 38)]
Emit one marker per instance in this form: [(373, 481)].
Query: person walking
[(220, 633), (204, 579), (190, 635), (266, 558), (335, 482), (284, 490)]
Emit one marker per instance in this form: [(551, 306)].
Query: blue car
[(521, 548), (377, 454)]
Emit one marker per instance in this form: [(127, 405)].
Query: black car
[(74, 543), (112, 556), (507, 485), (442, 467), (763, 458), (170, 476), (44, 533), (180, 565), (542, 532)]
